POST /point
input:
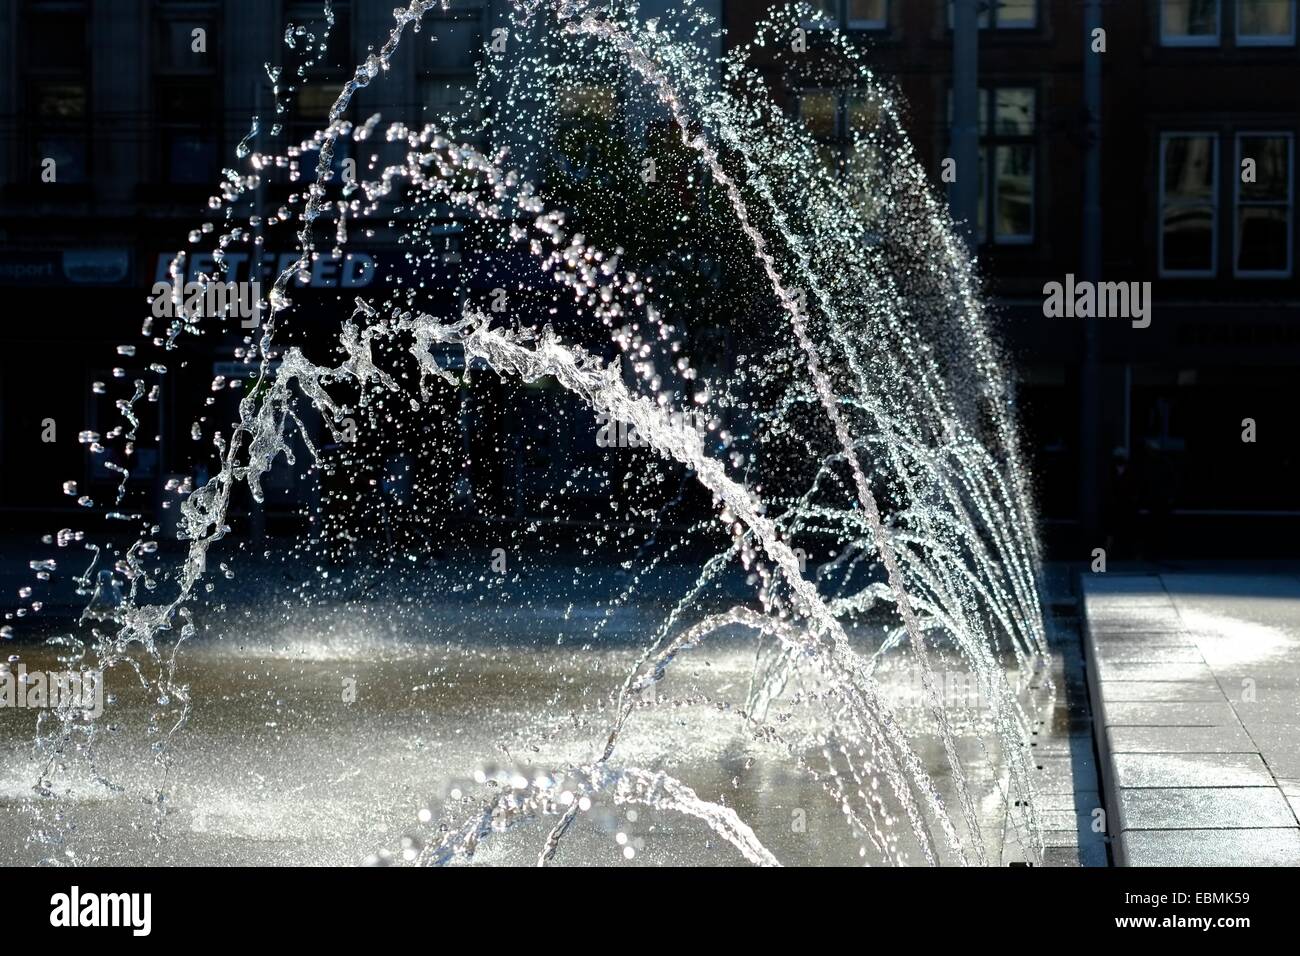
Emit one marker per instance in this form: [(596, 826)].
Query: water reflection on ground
[(317, 735)]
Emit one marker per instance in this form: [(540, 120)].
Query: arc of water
[(604, 392), (659, 81)]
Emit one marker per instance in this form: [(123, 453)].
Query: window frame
[(432, 75), (865, 25), (841, 138), (991, 14), (836, 140), (843, 21), (453, 14), (1192, 40), (201, 73), (162, 12), (1237, 203), (1215, 202), (988, 141), (33, 74), (1263, 39)]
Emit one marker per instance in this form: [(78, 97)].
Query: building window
[(310, 106), (447, 75), (174, 37), (57, 89), (1262, 243), (1266, 22), (187, 108), (55, 37), (454, 41), (338, 60), (1189, 22), (854, 14), (311, 115), (1004, 14), (836, 118), (60, 128), (841, 122), (1189, 209), (1007, 127)]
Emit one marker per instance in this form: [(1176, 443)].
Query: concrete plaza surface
[(1195, 686)]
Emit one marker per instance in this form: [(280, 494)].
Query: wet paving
[(1197, 675), (318, 735)]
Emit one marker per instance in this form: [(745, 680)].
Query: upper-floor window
[(187, 124), (836, 118), (1266, 22), (452, 40), (451, 43), (1007, 129), (842, 122), (855, 14), (1004, 14), (185, 37), (311, 28), (1189, 22), (1189, 204), (185, 91), (1202, 22), (54, 36), (1262, 214), (56, 81), (311, 105), (1265, 200)]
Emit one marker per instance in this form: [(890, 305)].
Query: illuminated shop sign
[(353, 270)]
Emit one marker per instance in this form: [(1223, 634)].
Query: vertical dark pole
[(1090, 464)]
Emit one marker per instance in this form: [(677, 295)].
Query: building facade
[(120, 117), (1197, 122), (138, 116)]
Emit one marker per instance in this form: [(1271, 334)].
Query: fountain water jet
[(953, 542)]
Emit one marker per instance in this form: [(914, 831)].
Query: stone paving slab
[(1178, 692), (1291, 790), (1121, 627), (1212, 808), (1125, 613), (1247, 847), (1146, 653), (1153, 671), (1160, 714), (1065, 819), (1076, 801), (1149, 641), (1090, 854), (1197, 716), (1064, 745), (1191, 770), (1055, 838), (1209, 740), (1278, 752), (1140, 588)]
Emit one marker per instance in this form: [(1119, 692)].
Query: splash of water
[(883, 423)]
